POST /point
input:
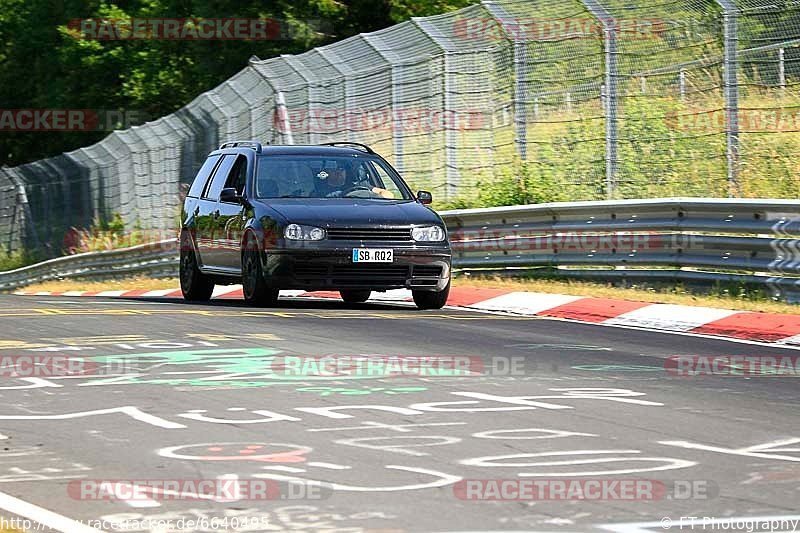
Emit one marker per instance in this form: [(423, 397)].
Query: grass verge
[(110, 285)]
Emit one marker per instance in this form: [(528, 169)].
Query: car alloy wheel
[(195, 286), (254, 286)]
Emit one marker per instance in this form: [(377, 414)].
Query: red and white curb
[(777, 329)]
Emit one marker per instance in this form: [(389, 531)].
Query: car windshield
[(305, 176)]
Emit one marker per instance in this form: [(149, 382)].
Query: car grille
[(377, 274), (370, 234), (344, 275), (310, 270)]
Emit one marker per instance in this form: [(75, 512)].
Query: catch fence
[(572, 99)]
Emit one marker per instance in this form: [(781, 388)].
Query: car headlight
[(428, 234), (299, 232)]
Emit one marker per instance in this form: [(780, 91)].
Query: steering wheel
[(355, 188)]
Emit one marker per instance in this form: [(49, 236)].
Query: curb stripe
[(525, 303), (155, 294), (754, 326), (722, 323), (593, 309), (671, 317)]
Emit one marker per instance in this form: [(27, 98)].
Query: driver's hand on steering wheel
[(383, 193)]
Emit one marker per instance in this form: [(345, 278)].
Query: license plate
[(373, 255)]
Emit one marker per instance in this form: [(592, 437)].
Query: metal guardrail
[(687, 240), (681, 239), (157, 259)]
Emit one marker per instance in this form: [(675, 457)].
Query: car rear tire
[(431, 299), (355, 296), (195, 286), (255, 288)]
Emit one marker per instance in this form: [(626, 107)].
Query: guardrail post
[(610, 30), (731, 88)]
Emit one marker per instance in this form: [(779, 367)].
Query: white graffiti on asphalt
[(508, 403), (776, 450)]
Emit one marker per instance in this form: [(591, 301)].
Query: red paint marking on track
[(321, 294), (238, 294), (593, 309), (753, 326), (470, 296), (138, 292)]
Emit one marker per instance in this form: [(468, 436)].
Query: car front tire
[(431, 299), (355, 296), (195, 286), (256, 290)]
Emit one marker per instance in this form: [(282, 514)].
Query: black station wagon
[(328, 217)]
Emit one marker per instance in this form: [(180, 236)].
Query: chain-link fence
[(582, 99)]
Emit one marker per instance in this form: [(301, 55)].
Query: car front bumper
[(331, 268)]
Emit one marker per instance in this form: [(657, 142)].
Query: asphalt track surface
[(196, 395)]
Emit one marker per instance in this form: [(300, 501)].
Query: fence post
[(682, 84), (397, 117), (610, 29), (450, 134), (521, 98), (510, 26), (782, 68), (283, 116), (28, 235), (731, 88)]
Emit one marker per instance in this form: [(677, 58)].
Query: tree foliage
[(45, 64)]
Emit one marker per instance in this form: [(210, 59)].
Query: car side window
[(201, 180), (238, 175), (219, 179)]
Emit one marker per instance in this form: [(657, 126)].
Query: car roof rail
[(363, 147), (255, 145)]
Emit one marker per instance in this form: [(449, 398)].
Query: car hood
[(353, 212)]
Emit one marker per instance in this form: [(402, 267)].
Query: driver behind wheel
[(339, 182)]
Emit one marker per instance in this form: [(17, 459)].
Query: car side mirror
[(230, 195), (424, 197)]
